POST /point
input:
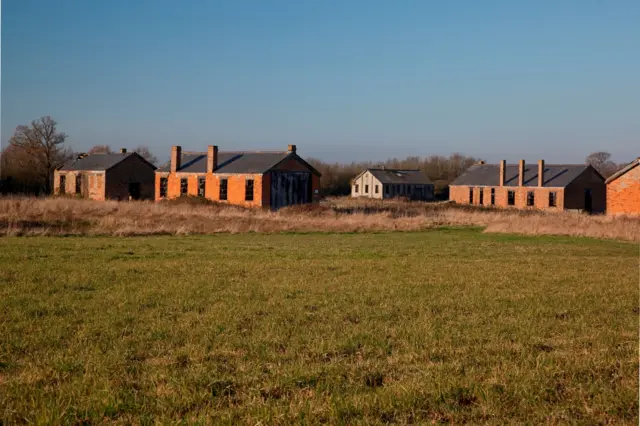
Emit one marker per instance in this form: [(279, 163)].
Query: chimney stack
[(541, 173), (123, 150), (503, 171), (212, 158), (521, 173), (291, 149), (176, 158)]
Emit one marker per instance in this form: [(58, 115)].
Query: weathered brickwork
[(623, 193), (460, 194)]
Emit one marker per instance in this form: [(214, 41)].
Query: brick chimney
[(123, 150), (503, 171), (212, 158), (291, 149), (176, 157), (540, 173), (521, 173)]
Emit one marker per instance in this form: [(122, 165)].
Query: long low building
[(545, 186), (272, 179), (389, 183)]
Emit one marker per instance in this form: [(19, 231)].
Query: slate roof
[(555, 175), (624, 170), (96, 161), (394, 176), (229, 162)]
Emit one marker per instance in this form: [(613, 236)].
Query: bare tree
[(601, 161), (43, 148), (146, 153), (100, 149)]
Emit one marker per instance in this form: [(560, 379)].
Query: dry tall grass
[(66, 216)]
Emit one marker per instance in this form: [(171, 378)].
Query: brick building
[(251, 179), (548, 187), (387, 183), (119, 176), (623, 190)]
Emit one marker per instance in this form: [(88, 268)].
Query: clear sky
[(343, 79)]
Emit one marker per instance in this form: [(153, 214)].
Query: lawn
[(444, 325)]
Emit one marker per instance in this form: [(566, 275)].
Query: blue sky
[(344, 80)]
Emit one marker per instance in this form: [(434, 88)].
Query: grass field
[(443, 325)]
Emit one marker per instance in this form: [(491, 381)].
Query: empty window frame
[(223, 189), (481, 197), (511, 198), (248, 190), (376, 189), (357, 188), (164, 182), (366, 189), (63, 184), (553, 199), (531, 200), (78, 184), (184, 186), (493, 196), (470, 195), (202, 184)]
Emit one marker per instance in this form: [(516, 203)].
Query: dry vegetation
[(68, 216)]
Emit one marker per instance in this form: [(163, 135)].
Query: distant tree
[(39, 147), (100, 149), (601, 161), (146, 153)]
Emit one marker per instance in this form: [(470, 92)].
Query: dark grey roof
[(624, 170), (95, 162), (229, 162), (415, 177), (555, 175)]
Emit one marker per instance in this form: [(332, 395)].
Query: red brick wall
[(623, 194), (93, 184), (460, 194)]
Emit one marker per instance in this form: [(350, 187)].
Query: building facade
[(623, 190), (250, 179), (117, 176), (546, 187), (382, 184)]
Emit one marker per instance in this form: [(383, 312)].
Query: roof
[(624, 170), (415, 177), (555, 175), (232, 162), (98, 161)]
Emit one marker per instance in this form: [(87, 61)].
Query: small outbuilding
[(389, 183), (623, 190), (115, 176)]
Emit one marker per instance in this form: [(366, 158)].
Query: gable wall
[(574, 192), (623, 194), (131, 170)]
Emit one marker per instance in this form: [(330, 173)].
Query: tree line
[(37, 149)]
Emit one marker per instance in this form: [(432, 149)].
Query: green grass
[(447, 325)]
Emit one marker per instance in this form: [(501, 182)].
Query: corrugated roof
[(229, 162), (624, 170), (555, 175), (95, 162), (415, 177)]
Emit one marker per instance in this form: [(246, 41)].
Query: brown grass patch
[(66, 216)]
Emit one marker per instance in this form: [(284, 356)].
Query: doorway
[(588, 200), (134, 191)]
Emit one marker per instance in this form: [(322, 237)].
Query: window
[(223, 189), (78, 184), (184, 186), (376, 189), (366, 189), (357, 188), (470, 195), (552, 199), (248, 190), (531, 200), (511, 198), (63, 184), (493, 196), (481, 200), (163, 187), (202, 182)]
